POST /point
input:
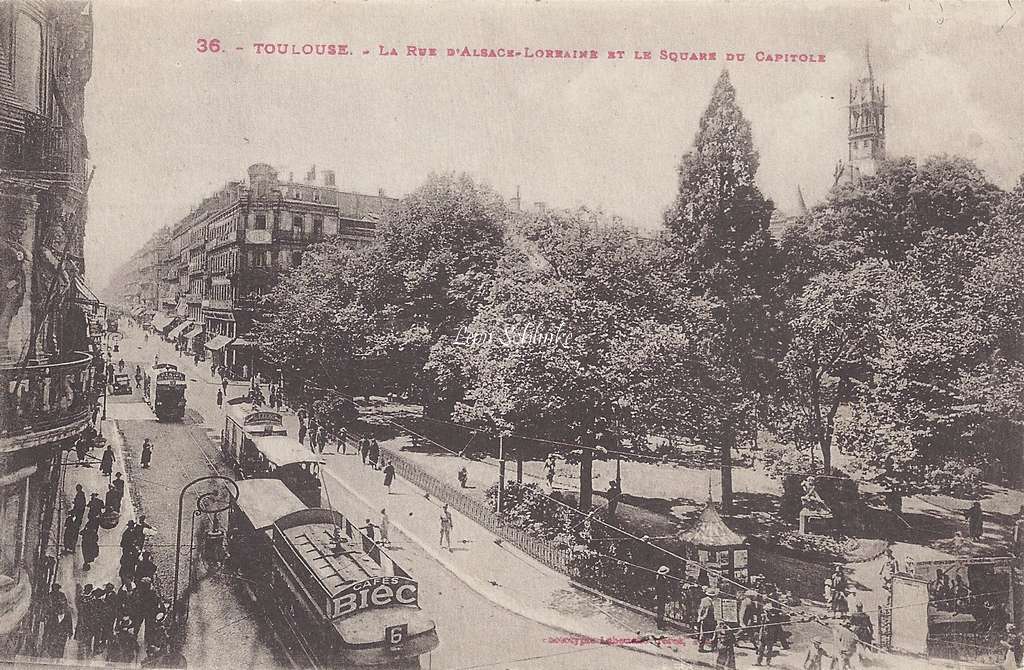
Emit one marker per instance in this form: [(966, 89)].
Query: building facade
[(230, 250), (48, 345)]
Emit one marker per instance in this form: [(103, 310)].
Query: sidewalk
[(106, 567)]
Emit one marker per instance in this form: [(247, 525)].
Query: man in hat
[(706, 621), (815, 656), (1013, 644), (661, 591), (78, 506), (749, 614), (95, 506), (767, 634), (860, 624), (118, 485), (71, 528)]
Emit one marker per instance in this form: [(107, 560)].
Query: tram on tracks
[(163, 388), (342, 601), (257, 444)]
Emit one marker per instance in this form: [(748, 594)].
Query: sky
[(168, 123)]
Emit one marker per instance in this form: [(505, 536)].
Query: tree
[(431, 268), (724, 253), (832, 334), (319, 327), (608, 378)]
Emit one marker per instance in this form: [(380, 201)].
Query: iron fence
[(549, 553)]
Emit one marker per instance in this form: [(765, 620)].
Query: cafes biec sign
[(375, 592), (170, 376)]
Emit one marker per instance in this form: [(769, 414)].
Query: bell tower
[(866, 124)]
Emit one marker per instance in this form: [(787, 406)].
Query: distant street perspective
[(263, 411)]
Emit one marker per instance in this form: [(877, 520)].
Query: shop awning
[(195, 330), (84, 294), (160, 321), (218, 343), (178, 330), (241, 343)]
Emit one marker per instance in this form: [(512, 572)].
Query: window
[(316, 195), (28, 61), (298, 225), (12, 498), (318, 227), (261, 222)]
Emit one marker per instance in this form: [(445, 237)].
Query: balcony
[(230, 238), (293, 235), (30, 141), (43, 403), (193, 298), (214, 303)]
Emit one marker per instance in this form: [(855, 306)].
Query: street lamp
[(208, 503)]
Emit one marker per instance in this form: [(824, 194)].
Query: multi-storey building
[(47, 354), (229, 251)]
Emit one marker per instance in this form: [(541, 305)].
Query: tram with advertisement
[(340, 600), (257, 444), (163, 388)]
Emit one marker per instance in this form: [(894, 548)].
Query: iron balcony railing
[(40, 397)]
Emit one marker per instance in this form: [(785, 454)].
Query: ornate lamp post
[(209, 503)]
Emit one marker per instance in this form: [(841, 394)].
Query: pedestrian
[(301, 414), (364, 448), (322, 439), (549, 466), (446, 527), (374, 453), (974, 516), (1014, 646), (220, 398), (888, 570), (385, 525), (95, 507), (273, 397), (725, 640), (614, 492), (78, 506), (463, 476), (127, 569), (107, 462), (341, 442), (706, 621), (767, 634), (661, 591), (815, 656), (118, 485), (146, 568), (224, 383), (156, 360), (313, 429), (368, 530), (90, 543), (110, 500), (389, 476), (147, 452), (85, 631), (124, 647), (82, 446), (302, 431), (57, 632), (860, 624), (72, 525)]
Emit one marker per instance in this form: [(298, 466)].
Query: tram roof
[(282, 450), (264, 501)]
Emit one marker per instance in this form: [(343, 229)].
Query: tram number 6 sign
[(394, 636)]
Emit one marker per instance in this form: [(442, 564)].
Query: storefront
[(194, 341)]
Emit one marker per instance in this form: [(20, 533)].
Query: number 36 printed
[(204, 45)]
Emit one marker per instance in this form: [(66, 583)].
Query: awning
[(178, 330), (195, 330), (241, 343), (218, 343), (159, 321), (83, 294)]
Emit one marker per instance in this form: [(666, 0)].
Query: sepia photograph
[(540, 335)]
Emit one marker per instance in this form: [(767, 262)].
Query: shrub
[(956, 477)]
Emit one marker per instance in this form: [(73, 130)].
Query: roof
[(282, 450), (160, 321), (241, 342), (711, 531), (264, 501)]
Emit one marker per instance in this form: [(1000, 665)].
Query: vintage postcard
[(512, 335)]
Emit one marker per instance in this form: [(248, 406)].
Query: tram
[(341, 601), (163, 388), (257, 444)]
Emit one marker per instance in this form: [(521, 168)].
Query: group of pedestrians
[(110, 619), (311, 428)]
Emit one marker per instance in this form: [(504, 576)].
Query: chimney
[(311, 175), (291, 177), (540, 206), (517, 202), (328, 177)]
